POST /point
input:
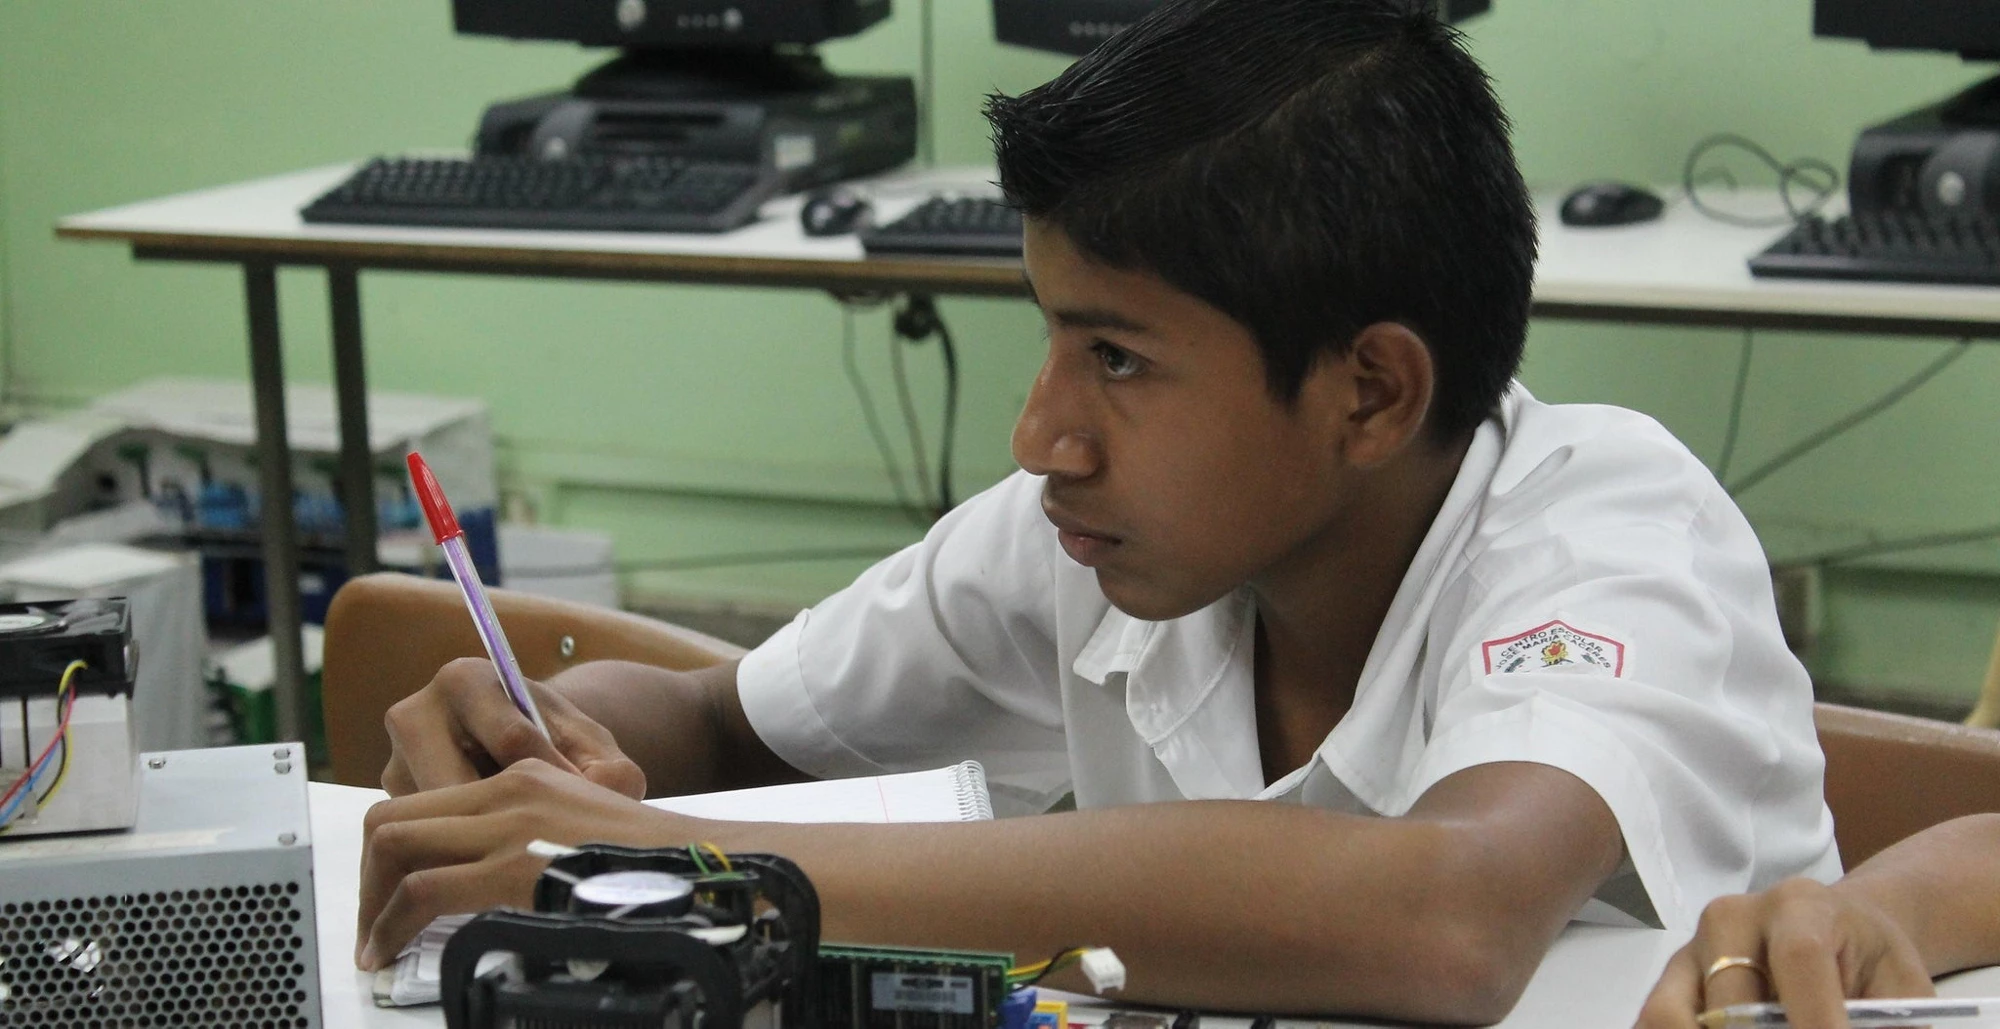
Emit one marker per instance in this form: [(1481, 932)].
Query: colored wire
[(700, 864), (1028, 975), (18, 793), (719, 855)]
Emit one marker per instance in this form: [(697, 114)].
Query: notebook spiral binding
[(974, 803)]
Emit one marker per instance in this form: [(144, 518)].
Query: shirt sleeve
[(1629, 637), (942, 652)]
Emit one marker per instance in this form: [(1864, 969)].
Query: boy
[(1284, 532)]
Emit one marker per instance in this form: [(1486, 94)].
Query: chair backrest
[(1891, 776), (387, 634)]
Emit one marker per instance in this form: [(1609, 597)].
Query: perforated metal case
[(200, 915)]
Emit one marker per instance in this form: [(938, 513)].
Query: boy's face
[(1172, 470)]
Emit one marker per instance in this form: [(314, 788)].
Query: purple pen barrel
[(483, 619)]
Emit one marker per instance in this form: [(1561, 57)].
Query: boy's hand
[(464, 848), (1820, 944), (461, 728)]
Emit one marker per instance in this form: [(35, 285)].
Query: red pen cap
[(437, 510)]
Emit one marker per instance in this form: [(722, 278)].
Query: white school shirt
[(1588, 598)]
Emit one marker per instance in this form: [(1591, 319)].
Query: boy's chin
[(1149, 601)]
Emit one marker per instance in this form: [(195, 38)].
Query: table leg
[(350, 385), (274, 473)]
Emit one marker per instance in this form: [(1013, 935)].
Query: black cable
[(950, 432), (911, 508), (913, 426), (1802, 172), (1897, 546), (1736, 405), (1859, 415), (919, 320)]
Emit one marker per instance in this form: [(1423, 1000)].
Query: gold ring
[(1730, 961)]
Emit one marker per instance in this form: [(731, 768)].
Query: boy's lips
[(1086, 545)]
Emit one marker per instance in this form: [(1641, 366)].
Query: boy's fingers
[(396, 850), (453, 889)]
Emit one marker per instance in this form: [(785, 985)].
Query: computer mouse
[(832, 211), (1610, 203)]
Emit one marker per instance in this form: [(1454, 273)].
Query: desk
[(1596, 976), (1681, 270)]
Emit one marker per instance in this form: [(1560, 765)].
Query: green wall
[(691, 421)]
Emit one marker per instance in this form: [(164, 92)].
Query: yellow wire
[(1040, 965), (62, 769), (717, 851)]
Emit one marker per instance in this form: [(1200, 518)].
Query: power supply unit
[(201, 914)]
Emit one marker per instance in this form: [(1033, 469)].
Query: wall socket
[(1801, 596)]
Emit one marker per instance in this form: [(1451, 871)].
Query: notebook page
[(954, 794)]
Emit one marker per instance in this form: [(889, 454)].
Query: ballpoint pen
[(1886, 1013), (444, 526)]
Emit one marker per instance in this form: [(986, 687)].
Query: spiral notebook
[(954, 794)]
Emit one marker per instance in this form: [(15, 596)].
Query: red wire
[(62, 727)]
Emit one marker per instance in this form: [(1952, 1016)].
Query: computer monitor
[(677, 24), (1077, 26), (1967, 27), (683, 49)]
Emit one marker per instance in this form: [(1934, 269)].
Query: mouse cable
[(912, 508), (1848, 421), (917, 321), (1819, 179)]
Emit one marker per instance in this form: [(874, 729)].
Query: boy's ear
[(1384, 383)]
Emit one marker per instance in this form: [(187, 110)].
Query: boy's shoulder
[(1573, 471), (1553, 453)]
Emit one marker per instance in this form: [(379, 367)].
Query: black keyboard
[(966, 226), (1895, 246), (623, 194)]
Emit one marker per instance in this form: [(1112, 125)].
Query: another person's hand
[(464, 848), (462, 727), (1813, 946)]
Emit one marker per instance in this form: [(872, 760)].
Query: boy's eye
[(1117, 361)]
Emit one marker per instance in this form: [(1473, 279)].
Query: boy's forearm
[(670, 724), (1943, 887), (1220, 904)]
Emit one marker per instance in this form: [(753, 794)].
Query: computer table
[(1682, 270)]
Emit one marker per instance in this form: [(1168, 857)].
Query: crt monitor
[(1077, 26), (670, 24), (1968, 27)]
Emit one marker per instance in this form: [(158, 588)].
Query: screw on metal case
[(286, 839), (282, 767), (567, 646), (281, 753), (156, 762)]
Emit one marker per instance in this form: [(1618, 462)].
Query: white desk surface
[(1595, 976), (1681, 268)]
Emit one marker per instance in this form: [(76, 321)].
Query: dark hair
[(1308, 167)]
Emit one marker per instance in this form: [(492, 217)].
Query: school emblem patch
[(1554, 646)]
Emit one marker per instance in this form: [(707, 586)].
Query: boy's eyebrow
[(1087, 317), (1097, 318)]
